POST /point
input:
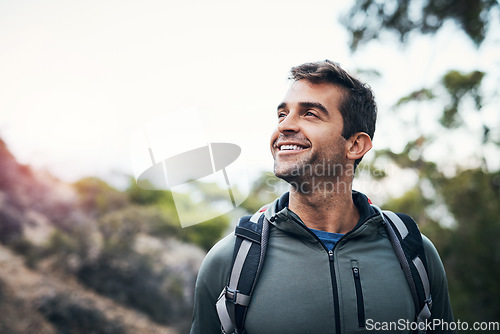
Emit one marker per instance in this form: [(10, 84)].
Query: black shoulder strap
[(407, 242), (250, 247)]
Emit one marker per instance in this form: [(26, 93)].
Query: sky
[(77, 78)]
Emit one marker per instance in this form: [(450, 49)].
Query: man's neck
[(325, 210)]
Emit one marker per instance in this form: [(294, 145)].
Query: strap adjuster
[(428, 301), (231, 295)]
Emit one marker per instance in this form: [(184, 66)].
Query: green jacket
[(303, 288)]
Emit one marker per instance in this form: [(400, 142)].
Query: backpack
[(252, 234)]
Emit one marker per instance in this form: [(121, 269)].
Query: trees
[(368, 18), (465, 192)]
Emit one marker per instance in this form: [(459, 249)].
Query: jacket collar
[(283, 218)]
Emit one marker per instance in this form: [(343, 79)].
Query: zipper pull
[(330, 255), (355, 272)]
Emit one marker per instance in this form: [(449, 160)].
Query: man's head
[(357, 106), (326, 119)]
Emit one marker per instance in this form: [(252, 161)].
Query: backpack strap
[(406, 240), (252, 234)]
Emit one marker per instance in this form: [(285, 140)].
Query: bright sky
[(78, 77)]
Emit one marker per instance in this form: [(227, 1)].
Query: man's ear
[(358, 145)]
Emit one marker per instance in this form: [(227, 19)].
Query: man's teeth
[(291, 147)]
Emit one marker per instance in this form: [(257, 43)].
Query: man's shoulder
[(441, 307), (212, 278), (223, 248), (220, 255), (435, 266), (430, 250)]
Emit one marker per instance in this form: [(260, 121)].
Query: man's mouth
[(290, 147)]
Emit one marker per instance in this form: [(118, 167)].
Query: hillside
[(87, 258)]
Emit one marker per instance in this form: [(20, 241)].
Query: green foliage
[(142, 196), (469, 249), (61, 243), (160, 218), (412, 203), (207, 233), (211, 191), (423, 94), (97, 197), (412, 158), (472, 255), (68, 248), (264, 190), (458, 86), (372, 170), (367, 19), (119, 229)]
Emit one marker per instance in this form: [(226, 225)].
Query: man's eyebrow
[(316, 105), (305, 105)]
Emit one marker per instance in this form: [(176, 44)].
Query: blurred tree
[(367, 19), (264, 190), (466, 197), (472, 254), (142, 196), (163, 220), (97, 197), (207, 233)]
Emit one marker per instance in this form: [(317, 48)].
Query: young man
[(329, 266)]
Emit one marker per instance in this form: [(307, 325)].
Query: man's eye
[(281, 114), (309, 113)]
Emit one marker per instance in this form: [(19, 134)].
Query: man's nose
[(289, 124)]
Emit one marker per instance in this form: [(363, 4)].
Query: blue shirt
[(329, 239)]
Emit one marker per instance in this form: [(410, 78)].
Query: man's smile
[(290, 147), (285, 147)]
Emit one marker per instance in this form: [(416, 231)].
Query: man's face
[(308, 141)]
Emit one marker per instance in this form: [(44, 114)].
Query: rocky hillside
[(87, 258)]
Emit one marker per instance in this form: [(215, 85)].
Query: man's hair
[(357, 105)]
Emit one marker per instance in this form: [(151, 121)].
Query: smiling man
[(324, 256)]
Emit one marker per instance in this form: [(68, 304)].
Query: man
[(330, 267)]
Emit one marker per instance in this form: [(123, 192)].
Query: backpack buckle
[(428, 301), (231, 295)]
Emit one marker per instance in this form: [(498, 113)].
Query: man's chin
[(285, 172), (288, 175)]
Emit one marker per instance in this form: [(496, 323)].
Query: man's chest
[(302, 289)]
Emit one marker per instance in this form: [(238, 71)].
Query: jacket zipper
[(336, 305), (359, 295), (332, 271)]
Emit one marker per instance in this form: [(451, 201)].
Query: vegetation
[(455, 201), (113, 242), (369, 19), (69, 316)]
